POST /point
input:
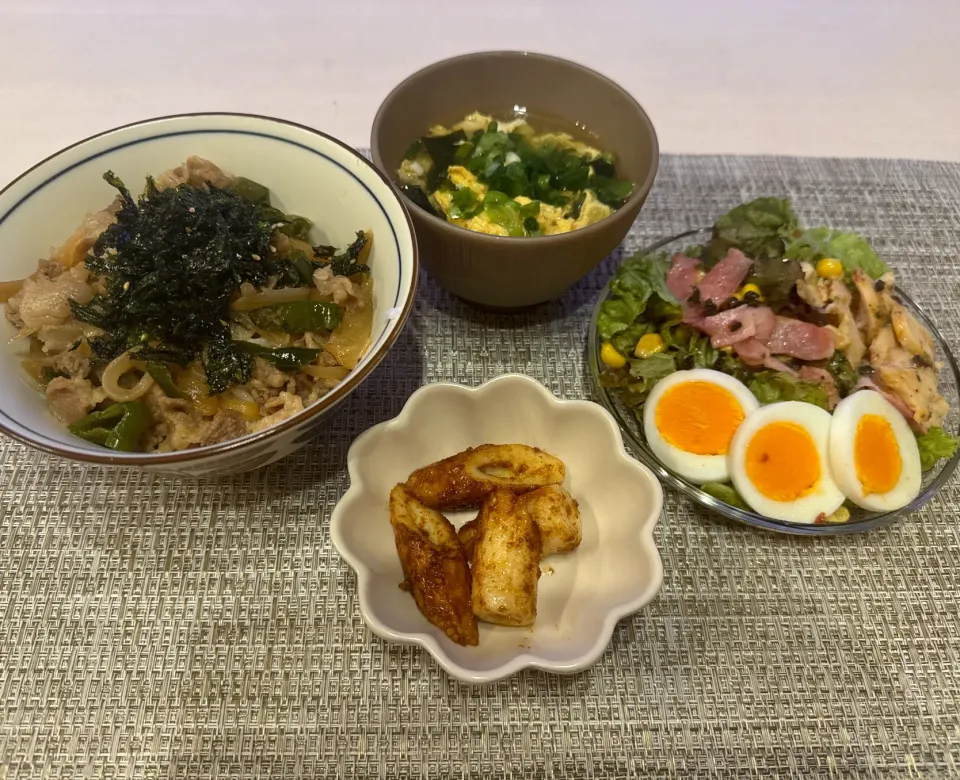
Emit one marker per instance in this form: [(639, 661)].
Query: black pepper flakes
[(735, 326), (694, 296), (879, 285), (710, 308)]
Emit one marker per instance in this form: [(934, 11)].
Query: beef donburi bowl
[(195, 293)]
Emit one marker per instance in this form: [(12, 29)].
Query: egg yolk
[(782, 461), (699, 417), (876, 455)]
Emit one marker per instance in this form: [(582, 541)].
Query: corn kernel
[(649, 344), (249, 410), (829, 268), (749, 288), (840, 515), (610, 356)]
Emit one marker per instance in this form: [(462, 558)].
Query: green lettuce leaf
[(634, 383), (691, 348), (760, 229), (934, 445), (724, 492), (651, 269), (637, 279), (772, 386), (663, 313), (776, 279), (851, 250), (844, 376), (626, 340), (651, 369)]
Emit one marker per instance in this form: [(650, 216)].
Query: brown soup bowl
[(498, 271)]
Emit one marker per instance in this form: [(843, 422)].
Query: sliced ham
[(752, 351), (693, 315), (755, 353), (682, 277), (802, 340), (756, 333), (725, 278), (739, 324), (681, 282), (778, 365)]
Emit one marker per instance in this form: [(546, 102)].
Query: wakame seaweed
[(170, 264), (347, 262)]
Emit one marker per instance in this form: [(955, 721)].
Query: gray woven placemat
[(162, 629)]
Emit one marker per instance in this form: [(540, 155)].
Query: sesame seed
[(273, 248), (192, 210), (276, 226), (126, 285), (256, 257)]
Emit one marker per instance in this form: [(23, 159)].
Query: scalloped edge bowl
[(616, 571)]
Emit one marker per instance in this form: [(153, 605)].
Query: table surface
[(164, 629), (819, 77), (160, 629)]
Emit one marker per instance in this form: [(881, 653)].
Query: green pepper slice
[(298, 316), (162, 376), (118, 427)]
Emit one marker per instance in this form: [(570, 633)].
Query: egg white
[(825, 496), (846, 418), (696, 468)]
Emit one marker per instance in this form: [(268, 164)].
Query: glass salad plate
[(860, 519)]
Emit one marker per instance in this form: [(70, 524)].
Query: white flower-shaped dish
[(615, 571)]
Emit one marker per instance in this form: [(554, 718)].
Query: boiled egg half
[(779, 462), (873, 453), (690, 418)]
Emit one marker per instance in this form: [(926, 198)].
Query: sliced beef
[(44, 299), (72, 399), (226, 425)]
